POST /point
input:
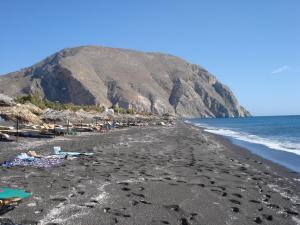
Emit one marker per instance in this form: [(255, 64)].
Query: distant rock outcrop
[(153, 82)]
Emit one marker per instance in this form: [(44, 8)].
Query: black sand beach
[(175, 175)]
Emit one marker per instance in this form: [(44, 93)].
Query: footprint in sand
[(139, 195), (125, 189), (257, 220), (290, 211), (235, 209), (133, 202), (237, 195), (254, 201), (267, 217), (145, 202), (183, 221), (236, 202), (223, 194)]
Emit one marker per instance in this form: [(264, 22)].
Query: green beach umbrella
[(8, 193)]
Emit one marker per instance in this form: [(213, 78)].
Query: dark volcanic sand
[(156, 175)]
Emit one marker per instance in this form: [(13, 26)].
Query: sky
[(251, 46)]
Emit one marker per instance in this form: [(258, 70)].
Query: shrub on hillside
[(43, 104)]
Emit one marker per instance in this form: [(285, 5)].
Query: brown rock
[(151, 82)]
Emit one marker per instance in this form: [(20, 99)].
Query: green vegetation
[(43, 104), (122, 110), (146, 113)]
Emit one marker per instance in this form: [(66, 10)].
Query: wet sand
[(175, 175)]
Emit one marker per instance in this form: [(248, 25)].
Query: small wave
[(270, 143)]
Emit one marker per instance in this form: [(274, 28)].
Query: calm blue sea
[(276, 138)]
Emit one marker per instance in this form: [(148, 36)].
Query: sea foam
[(274, 144)]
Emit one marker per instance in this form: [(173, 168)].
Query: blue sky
[(252, 46)]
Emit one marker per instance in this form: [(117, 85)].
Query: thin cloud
[(281, 69)]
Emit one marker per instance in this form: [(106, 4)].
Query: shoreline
[(262, 136), (154, 175), (284, 171)]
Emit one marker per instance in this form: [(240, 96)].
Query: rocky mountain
[(154, 82)]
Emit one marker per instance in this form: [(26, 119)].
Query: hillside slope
[(153, 82)]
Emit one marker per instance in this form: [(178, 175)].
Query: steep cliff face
[(153, 82)]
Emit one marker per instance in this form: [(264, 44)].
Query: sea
[(276, 138)]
